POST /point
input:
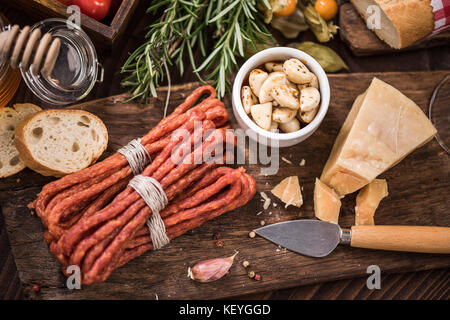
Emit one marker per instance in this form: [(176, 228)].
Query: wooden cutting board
[(364, 42), (418, 195)]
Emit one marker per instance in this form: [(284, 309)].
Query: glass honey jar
[(9, 78), (75, 68)]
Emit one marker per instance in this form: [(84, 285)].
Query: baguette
[(403, 22), (59, 142), (10, 162)]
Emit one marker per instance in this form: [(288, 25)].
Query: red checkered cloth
[(441, 9)]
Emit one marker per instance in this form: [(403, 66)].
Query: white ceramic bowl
[(272, 138)]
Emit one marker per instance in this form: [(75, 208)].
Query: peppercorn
[(36, 288), (245, 264), (252, 234), (263, 222), (219, 243), (257, 277), (216, 236), (251, 274)]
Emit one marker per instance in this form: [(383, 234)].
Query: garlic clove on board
[(211, 270)]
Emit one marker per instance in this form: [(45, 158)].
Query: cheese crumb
[(326, 203), (367, 201), (286, 160), (266, 204), (266, 200)]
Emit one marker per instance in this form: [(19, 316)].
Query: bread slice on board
[(402, 22), (59, 142), (9, 119)]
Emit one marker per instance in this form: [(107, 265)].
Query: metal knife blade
[(312, 238)]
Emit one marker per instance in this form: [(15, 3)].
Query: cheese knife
[(317, 238)]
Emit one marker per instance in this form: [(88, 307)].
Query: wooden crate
[(99, 32)]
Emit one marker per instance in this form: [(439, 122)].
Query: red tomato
[(97, 9), (66, 2)]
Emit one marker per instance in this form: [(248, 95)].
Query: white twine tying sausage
[(136, 155), (148, 188), (154, 196)]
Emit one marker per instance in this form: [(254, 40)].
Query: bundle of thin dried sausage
[(96, 221)]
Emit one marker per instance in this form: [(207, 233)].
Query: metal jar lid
[(76, 69)]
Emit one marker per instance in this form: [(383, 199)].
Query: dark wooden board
[(418, 189), (364, 42)]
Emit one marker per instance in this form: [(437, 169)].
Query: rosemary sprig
[(182, 30), (238, 24), (166, 42)]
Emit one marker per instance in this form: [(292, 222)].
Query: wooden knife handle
[(402, 238)]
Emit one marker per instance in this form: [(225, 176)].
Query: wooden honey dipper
[(26, 49)]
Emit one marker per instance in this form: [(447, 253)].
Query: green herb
[(262, 44), (327, 57), (182, 30)]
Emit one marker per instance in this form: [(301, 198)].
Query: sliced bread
[(402, 22), (59, 142), (9, 119)]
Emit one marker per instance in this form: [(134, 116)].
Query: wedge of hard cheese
[(367, 201), (382, 128), (288, 191), (326, 203)]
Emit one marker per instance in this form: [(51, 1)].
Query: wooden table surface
[(432, 284)]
